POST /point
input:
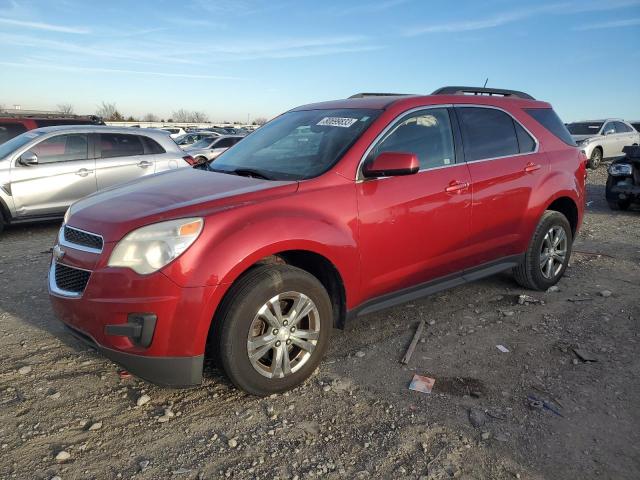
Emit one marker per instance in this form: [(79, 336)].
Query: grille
[(71, 279), (85, 239)]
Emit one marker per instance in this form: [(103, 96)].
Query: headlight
[(620, 170), (584, 142), (150, 248)]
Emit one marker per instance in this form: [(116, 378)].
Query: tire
[(532, 273), (595, 159), (248, 312), (1, 222), (618, 205)]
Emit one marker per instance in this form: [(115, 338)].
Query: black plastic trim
[(139, 328), (434, 286), (167, 371)]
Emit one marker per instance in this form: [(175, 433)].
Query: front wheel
[(595, 159), (273, 329), (548, 254), (618, 204)]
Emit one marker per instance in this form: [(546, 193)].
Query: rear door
[(505, 168), (65, 172), (120, 158), (626, 134)]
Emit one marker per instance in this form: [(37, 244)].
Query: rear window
[(151, 146), (550, 120), (10, 130)]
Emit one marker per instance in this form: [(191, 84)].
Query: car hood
[(182, 193)]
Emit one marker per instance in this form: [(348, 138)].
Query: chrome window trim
[(53, 287), (360, 178), (75, 246)]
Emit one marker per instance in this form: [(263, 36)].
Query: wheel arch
[(568, 207)]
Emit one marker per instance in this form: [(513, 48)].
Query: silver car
[(603, 139), (43, 171), (208, 149)]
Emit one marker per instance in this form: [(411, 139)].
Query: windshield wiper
[(250, 172), (242, 172)]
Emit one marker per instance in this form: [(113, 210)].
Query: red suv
[(331, 211)]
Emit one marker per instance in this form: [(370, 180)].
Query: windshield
[(16, 142), (297, 145), (203, 143), (584, 128)]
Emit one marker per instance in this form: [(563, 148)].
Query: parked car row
[(45, 170), (604, 139)]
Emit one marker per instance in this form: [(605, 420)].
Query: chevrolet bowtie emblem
[(58, 253)]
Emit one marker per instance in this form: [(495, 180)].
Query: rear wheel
[(548, 254), (274, 329), (595, 159)]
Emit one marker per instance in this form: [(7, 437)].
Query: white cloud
[(630, 22), (497, 20), (80, 69), (44, 26)]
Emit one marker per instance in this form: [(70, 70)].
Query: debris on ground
[(527, 299), (422, 384), (584, 355), (502, 348), (414, 342), (477, 417)]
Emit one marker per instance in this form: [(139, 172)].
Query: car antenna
[(485, 82)]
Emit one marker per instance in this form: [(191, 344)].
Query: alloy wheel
[(283, 335), (553, 252)]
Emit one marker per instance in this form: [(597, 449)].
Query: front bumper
[(625, 190), (100, 315)]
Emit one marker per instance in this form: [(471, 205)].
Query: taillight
[(190, 160)]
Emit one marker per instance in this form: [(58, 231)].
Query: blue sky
[(237, 58)]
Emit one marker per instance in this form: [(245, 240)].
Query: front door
[(64, 173), (415, 228)]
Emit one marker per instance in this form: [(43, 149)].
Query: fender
[(237, 238)]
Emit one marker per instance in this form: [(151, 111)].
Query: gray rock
[(142, 400), (63, 456), (605, 293), (360, 354), (477, 417), (553, 288), (95, 426), (485, 436), (143, 464), (24, 370), (233, 443)]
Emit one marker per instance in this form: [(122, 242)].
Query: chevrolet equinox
[(329, 212)]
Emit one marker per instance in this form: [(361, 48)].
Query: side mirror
[(610, 132), (28, 158), (391, 164)]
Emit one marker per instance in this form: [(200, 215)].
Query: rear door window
[(487, 133), (525, 141), (62, 148), (224, 143), (10, 130), (120, 145)]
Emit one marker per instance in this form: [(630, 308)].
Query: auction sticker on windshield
[(342, 122)]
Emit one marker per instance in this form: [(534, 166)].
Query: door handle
[(532, 167), (83, 172), (144, 164), (456, 186)]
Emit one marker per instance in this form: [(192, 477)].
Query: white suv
[(603, 139)]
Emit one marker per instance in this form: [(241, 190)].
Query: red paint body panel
[(382, 235)]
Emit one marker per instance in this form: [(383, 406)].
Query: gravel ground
[(66, 411)]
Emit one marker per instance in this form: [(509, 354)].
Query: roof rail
[(364, 95), (482, 91)]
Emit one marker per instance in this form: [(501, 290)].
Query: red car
[(330, 211)]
